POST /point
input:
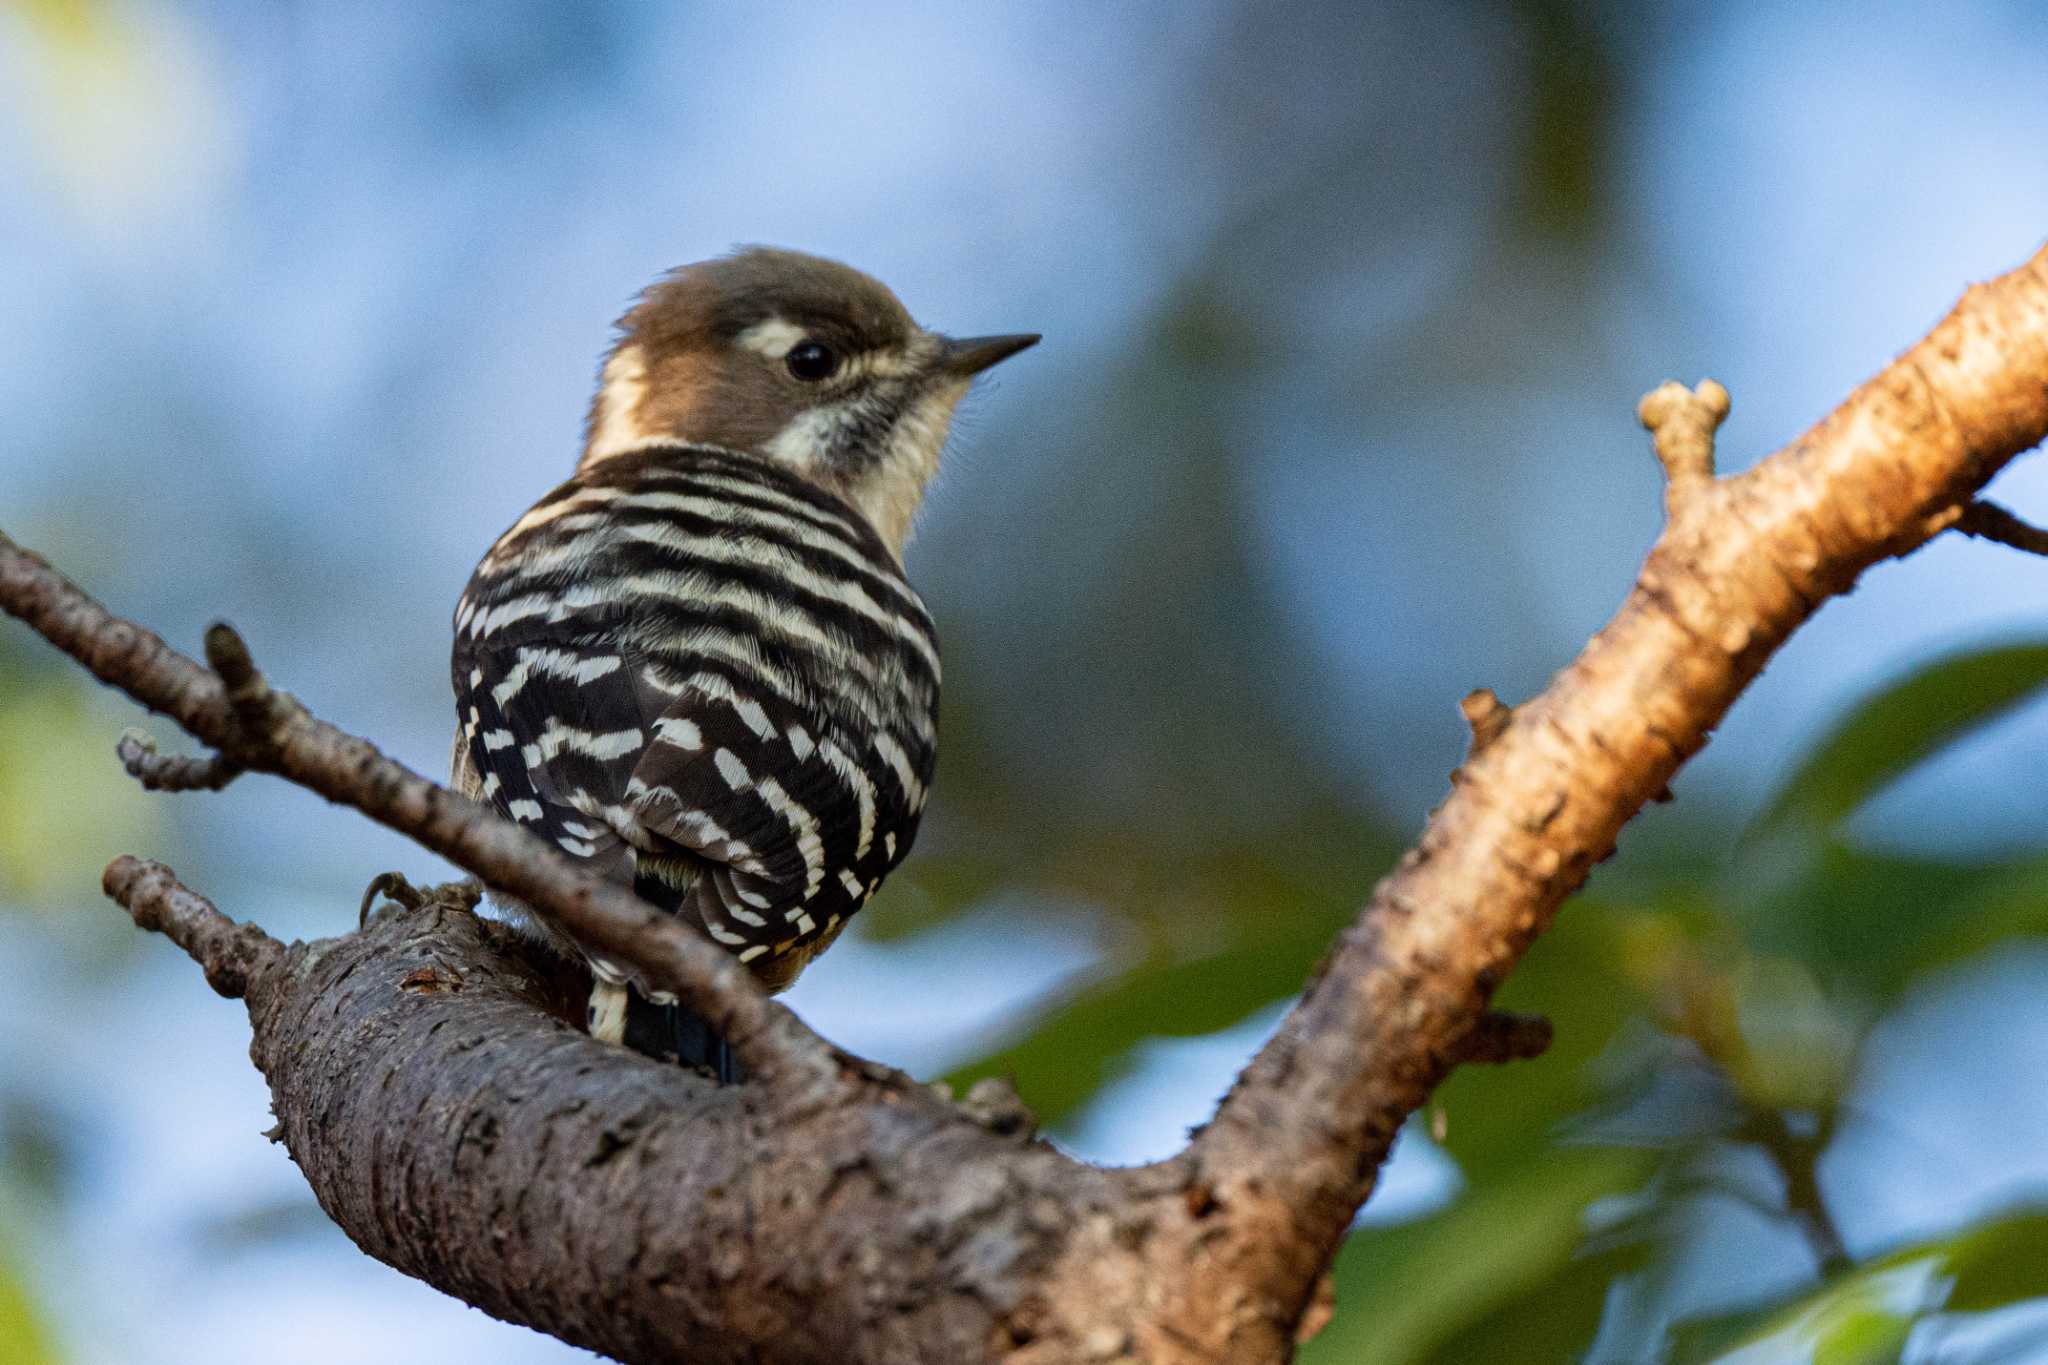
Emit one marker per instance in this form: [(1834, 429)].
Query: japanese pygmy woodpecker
[(697, 666)]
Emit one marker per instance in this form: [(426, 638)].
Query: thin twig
[(233, 955), (1504, 1037), (263, 717), (1797, 1160), (1487, 716), (173, 772), (1987, 520)]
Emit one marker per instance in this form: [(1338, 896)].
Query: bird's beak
[(966, 356)]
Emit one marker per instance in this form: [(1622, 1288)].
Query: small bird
[(697, 665)]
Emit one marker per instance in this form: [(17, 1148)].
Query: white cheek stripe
[(808, 436)]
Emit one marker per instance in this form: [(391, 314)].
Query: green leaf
[(1861, 1334), (2000, 1263), (1083, 1043), (1986, 909), (1890, 730), (1874, 922), (1864, 1314), (1551, 1320), (1799, 1049), (1695, 1341), (1411, 1292), (1869, 920), (1850, 1320)]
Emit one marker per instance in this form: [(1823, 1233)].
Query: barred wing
[(552, 732), (795, 821)]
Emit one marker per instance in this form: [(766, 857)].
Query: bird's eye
[(810, 362)]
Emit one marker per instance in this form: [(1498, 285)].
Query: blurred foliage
[(1572, 101), (23, 1338), (1213, 935), (1903, 724), (36, 1149), (120, 105), (65, 804), (1696, 1017), (1864, 1314)]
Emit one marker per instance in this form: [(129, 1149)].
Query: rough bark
[(459, 1129), (830, 1209)]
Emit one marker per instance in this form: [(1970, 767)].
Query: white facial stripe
[(800, 444), (616, 428), (773, 338)]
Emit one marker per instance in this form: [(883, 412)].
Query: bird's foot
[(396, 890)]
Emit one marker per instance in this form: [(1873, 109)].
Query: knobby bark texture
[(833, 1210)]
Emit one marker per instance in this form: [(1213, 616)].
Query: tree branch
[(1742, 562), (835, 1211), (1502, 1037), (173, 772), (828, 1210), (1798, 1161), (458, 1129), (231, 954)]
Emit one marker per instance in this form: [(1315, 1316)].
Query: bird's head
[(802, 360)]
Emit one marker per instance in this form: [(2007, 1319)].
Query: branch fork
[(258, 719)]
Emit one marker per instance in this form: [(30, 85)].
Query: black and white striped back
[(709, 677)]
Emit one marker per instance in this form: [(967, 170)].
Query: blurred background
[(1347, 307)]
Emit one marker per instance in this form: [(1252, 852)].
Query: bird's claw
[(396, 890)]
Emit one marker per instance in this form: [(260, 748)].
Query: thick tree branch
[(1742, 562), (459, 1130), (834, 1211)]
